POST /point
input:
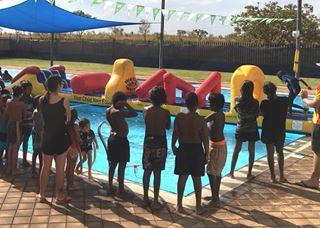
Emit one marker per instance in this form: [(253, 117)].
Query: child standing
[(14, 114), (37, 136), (87, 138), (274, 112), (218, 147), (27, 123), (118, 144), (247, 109), (155, 143), (313, 181), (3, 127), (191, 131), (74, 149)]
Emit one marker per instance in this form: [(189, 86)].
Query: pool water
[(96, 114)]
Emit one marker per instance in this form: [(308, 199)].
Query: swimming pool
[(96, 114)]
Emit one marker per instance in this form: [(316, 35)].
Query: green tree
[(144, 29), (277, 32), (199, 34), (181, 34), (116, 32)]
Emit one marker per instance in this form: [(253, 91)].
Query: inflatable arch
[(154, 80), (211, 85), (246, 72)]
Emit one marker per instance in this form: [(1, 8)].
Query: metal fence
[(212, 56)]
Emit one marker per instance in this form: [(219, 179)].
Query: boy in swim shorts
[(157, 120), (218, 147), (191, 131), (118, 145), (274, 112), (15, 112)]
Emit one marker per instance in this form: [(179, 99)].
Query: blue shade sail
[(42, 17)]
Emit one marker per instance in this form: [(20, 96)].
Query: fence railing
[(221, 56)]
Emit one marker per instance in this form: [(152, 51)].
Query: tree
[(117, 31), (199, 33), (144, 29), (82, 14), (181, 34), (277, 32)]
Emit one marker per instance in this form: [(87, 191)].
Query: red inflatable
[(27, 70), (156, 79), (58, 68), (211, 85), (171, 83), (89, 83)]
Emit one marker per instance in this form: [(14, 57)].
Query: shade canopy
[(42, 17)]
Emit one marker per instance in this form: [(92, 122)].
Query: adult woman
[(56, 139)]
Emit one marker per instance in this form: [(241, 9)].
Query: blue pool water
[(96, 114)]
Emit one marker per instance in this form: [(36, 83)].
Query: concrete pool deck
[(257, 203)]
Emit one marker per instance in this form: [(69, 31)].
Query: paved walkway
[(257, 203)]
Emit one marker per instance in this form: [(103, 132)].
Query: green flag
[(223, 19), (119, 6), (155, 12), (234, 19), (71, 1), (213, 18), (170, 13), (139, 10), (98, 1), (185, 15), (199, 16)]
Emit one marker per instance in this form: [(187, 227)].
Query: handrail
[(101, 136)]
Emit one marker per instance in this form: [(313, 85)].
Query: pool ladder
[(101, 136)]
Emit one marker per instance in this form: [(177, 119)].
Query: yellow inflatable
[(37, 87), (123, 79), (246, 72)]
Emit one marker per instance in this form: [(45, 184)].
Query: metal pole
[(298, 35), (52, 43), (51, 49), (161, 42)]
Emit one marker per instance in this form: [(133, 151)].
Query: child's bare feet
[(157, 206), (146, 202), (200, 210), (283, 180), (250, 176), (179, 209), (231, 174), (273, 179)]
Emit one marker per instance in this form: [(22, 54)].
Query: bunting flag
[(181, 15)]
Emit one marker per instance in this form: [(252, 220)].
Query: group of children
[(202, 145), (20, 118)]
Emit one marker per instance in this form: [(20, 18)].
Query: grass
[(192, 75)]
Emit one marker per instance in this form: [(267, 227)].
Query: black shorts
[(316, 138), (248, 136), (118, 149), (154, 153), (26, 131), (276, 137), (190, 160)]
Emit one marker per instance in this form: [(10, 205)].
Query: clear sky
[(220, 7)]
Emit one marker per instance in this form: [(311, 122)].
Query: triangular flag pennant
[(129, 8), (185, 15), (234, 19), (165, 12), (155, 12), (213, 18), (269, 20), (179, 14), (119, 6), (139, 10), (199, 16), (97, 2), (170, 13), (205, 16), (223, 19), (191, 16), (148, 11), (107, 5), (71, 1)]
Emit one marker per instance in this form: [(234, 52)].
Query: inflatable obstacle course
[(98, 88)]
